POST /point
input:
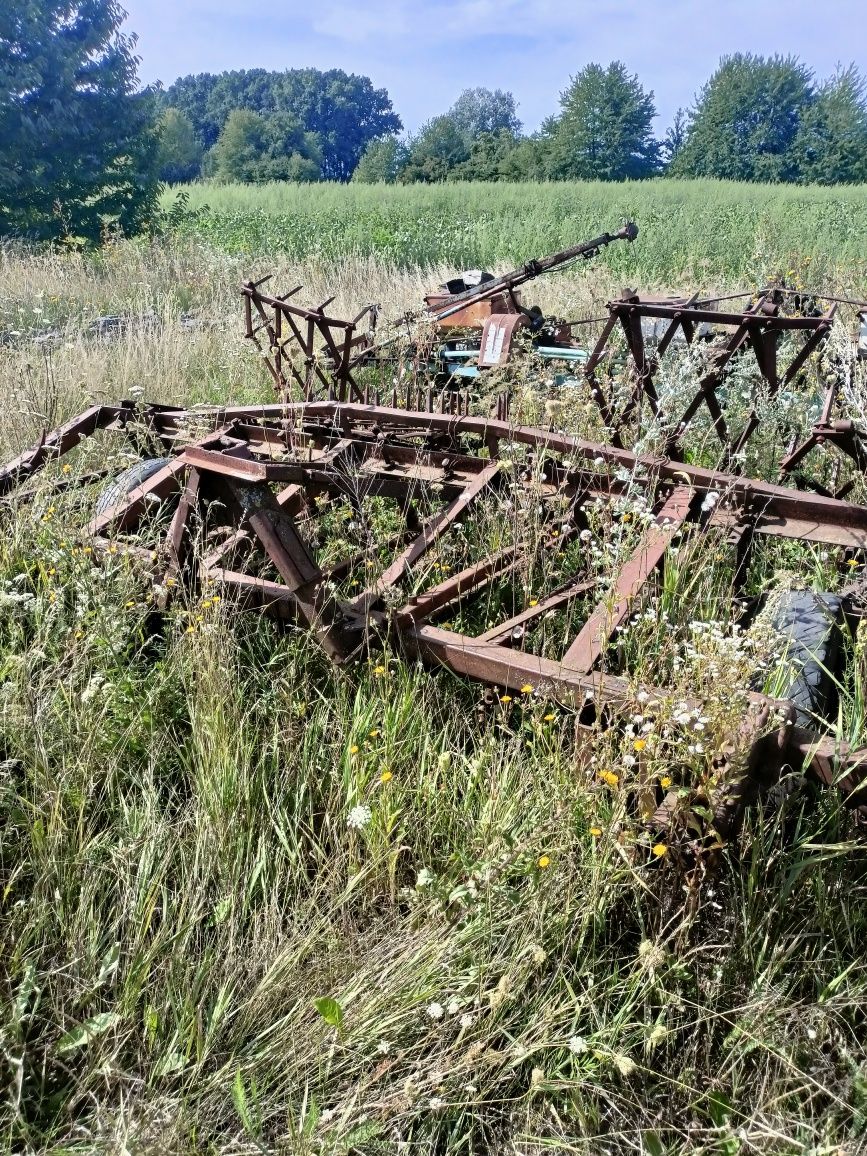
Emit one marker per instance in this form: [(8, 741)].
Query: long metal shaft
[(532, 269)]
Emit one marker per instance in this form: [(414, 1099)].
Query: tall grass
[(207, 947), (700, 230)]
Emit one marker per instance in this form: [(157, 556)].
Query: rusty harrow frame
[(254, 476), (759, 327)]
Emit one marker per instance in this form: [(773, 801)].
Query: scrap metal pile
[(242, 495)]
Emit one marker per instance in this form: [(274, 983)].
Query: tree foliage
[(255, 148), (604, 131), (478, 112), (180, 153), (747, 119), (435, 152), (345, 111), (78, 146), (831, 146), (381, 162)]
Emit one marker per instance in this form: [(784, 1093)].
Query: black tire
[(126, 481), (812, 624)]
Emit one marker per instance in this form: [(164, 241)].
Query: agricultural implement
[(244, 496)]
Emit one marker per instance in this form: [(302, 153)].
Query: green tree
[(831, 145), (381, 162), (488, 159), (345, 111), (253, 148), (747, 119), (437, 149), (180, 153), (479, 111), (78, 143), (675, 137), (604, 131)]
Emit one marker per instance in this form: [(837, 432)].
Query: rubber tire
[(812, 624), (126, 481)]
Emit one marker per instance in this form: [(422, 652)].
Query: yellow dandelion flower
[(609, 777), (353, 750), (595, 832), (130, 605), (505, 698), (659, 849), (215, 599), (534, 601), (386, 776), (206, 605), (67, 468), (51, 572), (665, 781), (550, 718), (544, 861), (374, 734), (639, 744), (191, 630), (526, 688), (853, 562), (379, 671), (79, 634)]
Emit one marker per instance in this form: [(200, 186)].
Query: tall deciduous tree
[(747, 119), (255, 148), (435, 151), (345, 111), (180, 154), (604, 131), (381, 162), (478, 111), (78, 144), (831, 146)]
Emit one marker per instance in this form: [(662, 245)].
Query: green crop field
[(704, 231), (252, 903)]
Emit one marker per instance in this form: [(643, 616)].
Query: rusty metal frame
[(264, 482), (758, 327)]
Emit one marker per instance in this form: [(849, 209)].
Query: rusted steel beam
[(454, 589), (595, 635), (433, 530), (503, 632), (59, 441)]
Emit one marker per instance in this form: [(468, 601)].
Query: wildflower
[(526, 688), (550, 718), (379, 671), (453, 1007), (383, 1047), (424, 878), (374, 734), (436, 1102), (130, 605), (67, 468), (191, 630), (624, 1065), (386, 776), (353, 750), (359, 817), (544, 861), (595, 832), (659, 849), (577, 1045), (505, 698), (466, 1021), (853, 562), (665, 781), (639, 744), (534, 602), (435, 1010), (609, 777)]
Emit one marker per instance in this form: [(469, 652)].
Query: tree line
[(84, 150)]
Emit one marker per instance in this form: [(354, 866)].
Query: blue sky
[(425, 53)]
